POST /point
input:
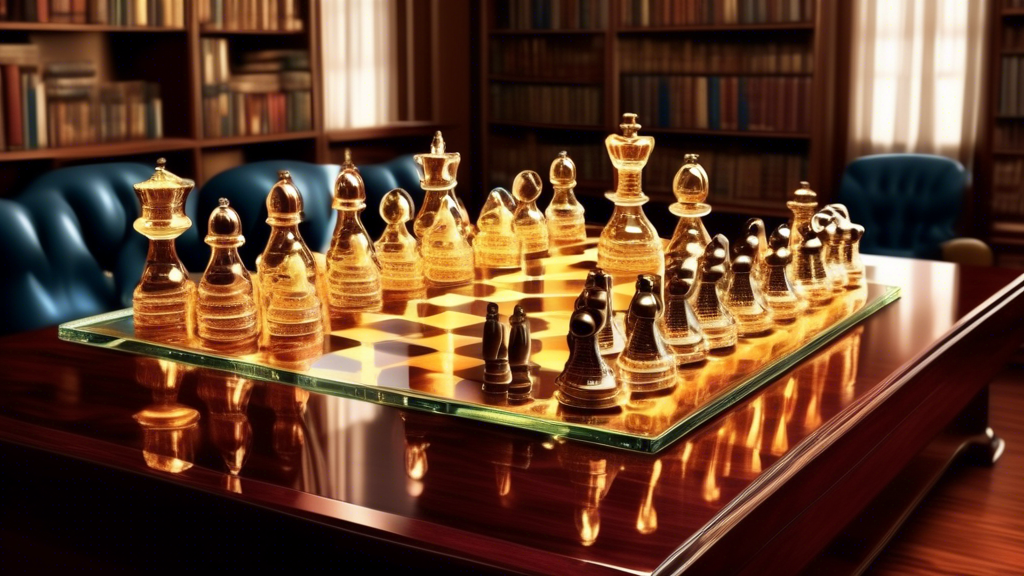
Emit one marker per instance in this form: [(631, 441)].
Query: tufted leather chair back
[(907, 203)]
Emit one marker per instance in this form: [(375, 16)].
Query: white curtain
[(917, 72), (360, 62)]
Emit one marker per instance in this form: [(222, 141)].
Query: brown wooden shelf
[(545, 31), (536, 80), (729, 133), (260, 139), (67, 27), (1008, 152), (719, 27), (101, 151), (225, 32), (544, 126), (1012, 51), (743, 74), (395, 130), (1013, 12)]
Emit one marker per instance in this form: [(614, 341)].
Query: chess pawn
[(401, 267), (756, 236), (437, 178), (598, 288), (497, 245), (496, 371), (519, 355), (718, 324), (680, 327), (810, 280), (566, 223), (751, 318), (645, 365), (850, 246), (226, 309), (353, 271), (779, 297), (163, 304), (447, 255), (629, 244), (829, 221), (292, 309), (690, 187), (531, 227), (586, 381), (645, 284), (804, 206)]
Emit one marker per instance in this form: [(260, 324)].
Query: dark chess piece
[(778, 293), (645, 365), (718, 324), (586, 381), (756, 236), (609, 335), (519, 355), (679, 324), (497, 375), (751, 318), (645, 284)]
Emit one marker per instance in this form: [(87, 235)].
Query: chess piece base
[(688, 350), (595, 402), (718, 336), (752, 321)]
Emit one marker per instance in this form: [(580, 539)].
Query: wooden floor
[(973, 520)]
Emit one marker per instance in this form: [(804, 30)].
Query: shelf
[(543, 126), (719, 27), (545, 31), (723, 74), (728, 133), (1013, 12), (1010, 118), (1008, 152), (1012, 51), (395, 130), (62, 27), (100, 151), (262, 138), (534, 80), (221, 32)]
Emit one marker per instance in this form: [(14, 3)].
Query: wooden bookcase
[(606, 60)]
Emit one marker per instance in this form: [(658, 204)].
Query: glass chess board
[(426, 355)]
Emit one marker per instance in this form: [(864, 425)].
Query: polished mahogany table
[(764, 488)]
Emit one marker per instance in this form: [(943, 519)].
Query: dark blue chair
[(907, 203)]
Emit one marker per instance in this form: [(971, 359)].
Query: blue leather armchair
[(907, 203), (71, 250)]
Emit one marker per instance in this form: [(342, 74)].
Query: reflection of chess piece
[(690, 187), (751, 318), (519, 355), (597, 296), (163, 303), (162, 377), (645, 365), (291, 308), (629, 244), (679, 325), (647, 517), (169, 435), (289, 405), (591, 473), (497, 244), (227, 398), (531, 226), (397, 250), (226, 310), (353, 272), (778, 293), (447, 255), (756, 236), (566, 223), (586, 381), (496, 371), (718, 324), (437, 178), (810, 280)]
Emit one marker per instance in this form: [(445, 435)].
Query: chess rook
[(776, 289), (447, 255), (565, 215), (680, 326), (519, 355), (497, 245), (645, 365), (226, 310), (497, 375), (353, 271), (629, 244), (530, 225), (718, 324), (438, 170), (163, 304), (398, 251)]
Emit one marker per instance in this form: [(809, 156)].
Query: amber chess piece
[(292, 309), (829, 219), (718, 324), (438, 170), (850, 247), (810, 281), (398, 251), (447, 255), (645, 284), (565, 215), (629, 244), (779, 297), (803, 205), (226, 309), (586, 381), (227, 398), (597, 295), (353, 271), (497, 245), (752, 319), (519, 355), (497, 375), (645, 365), (690, 187), (531, 227), (757, 237), (163, 304), (679, 325)]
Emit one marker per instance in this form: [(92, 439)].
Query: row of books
[(641, 13), (510, 156), (669, 56), (550, 14), (548, 57), (1013, 38), (1011, 100), (269, 92), (1008, 188), (748, 103), (1009, 136), (576, 105), (157, 13), (250, 15), (732, 175)]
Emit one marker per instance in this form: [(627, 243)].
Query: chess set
[(625, 340)]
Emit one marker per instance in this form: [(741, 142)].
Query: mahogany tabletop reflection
[(768, 483)]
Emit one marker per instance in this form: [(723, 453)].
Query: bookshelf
[(770, 65)]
